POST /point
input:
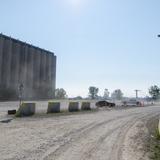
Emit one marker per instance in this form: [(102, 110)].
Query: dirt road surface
[(103, 135)]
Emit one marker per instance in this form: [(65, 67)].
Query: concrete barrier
[(26, 109), (73, 107), (53, 107), (86, 106)]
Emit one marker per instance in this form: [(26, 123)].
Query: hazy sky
[(104, 43)]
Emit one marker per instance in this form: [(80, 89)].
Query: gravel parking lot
[(103, 135)]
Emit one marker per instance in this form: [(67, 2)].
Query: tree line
[(93, 91), (60, 93)]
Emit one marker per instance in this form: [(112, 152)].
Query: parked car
[(131, 102), (105, 104)]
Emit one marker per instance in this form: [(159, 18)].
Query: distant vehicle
[(132, 102), (105, 104)]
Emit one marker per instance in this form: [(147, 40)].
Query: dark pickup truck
[(105, 104)]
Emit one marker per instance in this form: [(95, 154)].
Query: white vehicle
[(132, 102)]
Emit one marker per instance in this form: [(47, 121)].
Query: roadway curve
[(104, 135)]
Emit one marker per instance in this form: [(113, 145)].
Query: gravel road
[(102, 135)]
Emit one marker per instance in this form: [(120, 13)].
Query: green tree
[(60, 93), (106, 94), (117, 94), (154, 91), (93, 92)]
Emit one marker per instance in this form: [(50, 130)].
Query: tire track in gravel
[(99, 143), (120, 133), (116, 153), (60, 142), (79, 134), (116, 146), (116, 149)]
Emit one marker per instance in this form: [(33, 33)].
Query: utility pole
[(137, 93)]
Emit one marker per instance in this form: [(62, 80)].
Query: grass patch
[(157, 135), (66, 112), (155, 146), (63, 113)]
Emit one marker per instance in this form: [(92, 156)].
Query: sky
[(109, 44)]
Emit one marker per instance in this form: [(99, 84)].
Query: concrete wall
[(27, 64), (53, 72), (1, 57), (15, 66)]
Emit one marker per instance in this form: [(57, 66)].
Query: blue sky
[(102, 43)]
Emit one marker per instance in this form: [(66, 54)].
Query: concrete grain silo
[(22, 63)]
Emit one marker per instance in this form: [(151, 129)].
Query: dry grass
[(155, 145)]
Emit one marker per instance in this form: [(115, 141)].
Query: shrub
[(85, 106), (157, 134), (73, 107), (53, 107)]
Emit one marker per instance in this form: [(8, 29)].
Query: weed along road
[(104, 135)]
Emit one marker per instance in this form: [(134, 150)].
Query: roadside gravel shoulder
[(135, 142), (141, 140)]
